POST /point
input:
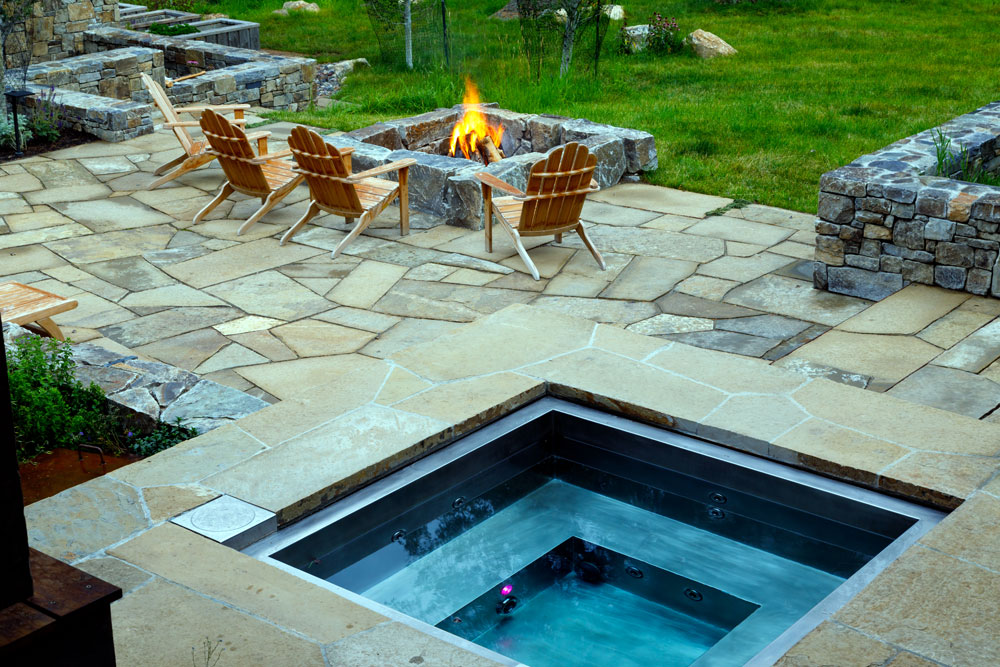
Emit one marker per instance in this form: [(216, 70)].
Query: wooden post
[(408, 32), (404, 201), (15, 584), (444, 34)]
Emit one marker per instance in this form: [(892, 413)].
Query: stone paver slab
[(366, 284), (950, 389), (116, 572), (663, 200), (474, 402), (676, 303), (441, 301), (84, 519), (726, 341), (549, 260), (192, 460), (233, 355), (263, 342), (611, 311), (706, 287), (358, 318), (765, 326), (247, 324), (944, 480), (833, 450), (164, 502), (312, 338), (905, 312), (288, 379), (108, 215), (626, 343), (898, 421), (650, 243), (399, 644), (743, 231), (795, 298), (44, 235), (976, 352), (112, 245), (887, 358), (752, 422), (38, 219), (408, 332), (131, 273), (237, 261), (67, 194), (619, 216), (167, 323), (218, 572), (520, 336), (185, 350), (670, 324), (270, 294), (332, 459), (632, 388), (93, 312), (141, 638), (969, 532), (728, 372), (953, 327), (744, 269), (924, 601), (170, 296), (400, 385), (648, 278), (834, 644)]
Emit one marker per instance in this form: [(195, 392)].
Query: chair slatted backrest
[(166, 108), (234, 153), (317, 159), (568, 170)]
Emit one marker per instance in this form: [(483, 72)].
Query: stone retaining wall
[(152, 391), (234, 76), (104, 117), (885, 221), (112, 73), (55, 28), (447, 187)]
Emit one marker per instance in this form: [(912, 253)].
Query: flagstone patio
[(406, 343), (243, 311)]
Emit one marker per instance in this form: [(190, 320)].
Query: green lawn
[(816, 82)]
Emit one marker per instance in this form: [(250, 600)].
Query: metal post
[(17, 131), (16, 584), (444, 33), (408, 33)]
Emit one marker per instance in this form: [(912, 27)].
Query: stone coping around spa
[(305, 452), (886, 220)]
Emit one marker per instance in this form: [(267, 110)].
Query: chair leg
[(188, 164), (168, 165), (524, 255), (224, 192), (270, 202), (51, 328), (360, 227), (488, 215), (404, 201), (590, 246), (310, 214)]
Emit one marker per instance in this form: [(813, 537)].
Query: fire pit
[(451, 145)]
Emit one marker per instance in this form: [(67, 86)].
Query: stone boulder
[(707, 45), (297, 6), (637, 37)]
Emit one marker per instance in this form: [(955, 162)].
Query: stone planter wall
[(104, 117), (152, 391), (55, 28), (885, 221), (112, 73), (234, 76), (446, 186)]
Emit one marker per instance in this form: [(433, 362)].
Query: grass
[(816, 83)]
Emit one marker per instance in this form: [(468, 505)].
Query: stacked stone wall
[(886, 220), (108, 74), (233, 76), (55, 28)]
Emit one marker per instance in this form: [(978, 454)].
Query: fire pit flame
[(472, 130)]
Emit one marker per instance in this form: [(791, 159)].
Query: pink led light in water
[(506, 590)]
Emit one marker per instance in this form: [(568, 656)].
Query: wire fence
[(411, 33)]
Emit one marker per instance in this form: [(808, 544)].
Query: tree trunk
[(408, 30), (569, 36)]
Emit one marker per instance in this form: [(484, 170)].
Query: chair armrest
[(496, 183), (258, 135), (392, 166), (214, 107), (267, 157), (594, 187), (195, 123)]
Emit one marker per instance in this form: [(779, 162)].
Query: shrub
[(7, 138), (171, 30), (52, 408), (961, 166), (45, 118), (664, 35)]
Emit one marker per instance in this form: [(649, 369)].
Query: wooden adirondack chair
[(557, 188), (263, 175), (23, 304), (195, 154), (333, 189)]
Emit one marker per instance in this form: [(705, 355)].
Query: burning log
[(489, 151)]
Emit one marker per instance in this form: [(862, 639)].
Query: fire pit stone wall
[(447, 187)]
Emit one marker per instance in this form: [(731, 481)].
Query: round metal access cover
[(224, 519)]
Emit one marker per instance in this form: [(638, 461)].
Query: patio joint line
[(958, 558)]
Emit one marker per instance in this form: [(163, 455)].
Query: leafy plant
[(164, 436), (45, 118), (664, 35), (961, 165), (179, 5), (52, 408), (171, 30), (7, 138)]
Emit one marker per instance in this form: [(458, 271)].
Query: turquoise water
[(576, 623), (572, 623)]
